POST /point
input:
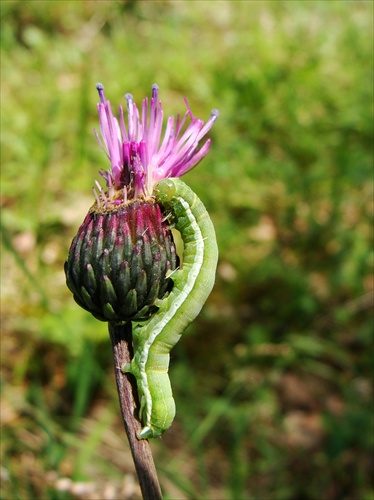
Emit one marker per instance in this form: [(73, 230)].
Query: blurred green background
[(273, 380)]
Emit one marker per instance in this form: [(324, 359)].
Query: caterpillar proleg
[(193, 282)]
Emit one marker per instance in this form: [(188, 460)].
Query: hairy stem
[(120, 337)]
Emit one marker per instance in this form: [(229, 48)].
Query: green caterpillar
[(193, 283)]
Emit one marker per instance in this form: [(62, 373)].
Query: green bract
[(119, 261)]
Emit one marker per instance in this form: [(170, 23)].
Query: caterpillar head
[(165, 190)]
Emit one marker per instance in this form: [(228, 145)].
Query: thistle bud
[(123, 253), (119, 261)]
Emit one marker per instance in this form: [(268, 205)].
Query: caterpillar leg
[(149, 432), (126, 368)]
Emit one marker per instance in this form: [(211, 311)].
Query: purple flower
[(137, 155)]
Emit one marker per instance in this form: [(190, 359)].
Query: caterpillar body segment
[(193, 282)]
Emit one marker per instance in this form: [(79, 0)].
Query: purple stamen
[(100, 89)]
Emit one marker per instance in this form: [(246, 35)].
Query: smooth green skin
[(193, 283)]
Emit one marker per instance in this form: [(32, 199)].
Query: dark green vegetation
[(273, 381)]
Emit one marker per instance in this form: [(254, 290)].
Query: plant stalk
[(121, 338)]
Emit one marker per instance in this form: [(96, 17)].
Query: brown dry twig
[(121, 339)]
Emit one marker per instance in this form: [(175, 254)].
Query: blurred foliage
[(273, 381)]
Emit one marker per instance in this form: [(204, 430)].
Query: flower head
[(137, 155)]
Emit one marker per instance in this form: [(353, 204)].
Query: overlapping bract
[(119, 262)]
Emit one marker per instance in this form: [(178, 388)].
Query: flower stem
[(120, 337)]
